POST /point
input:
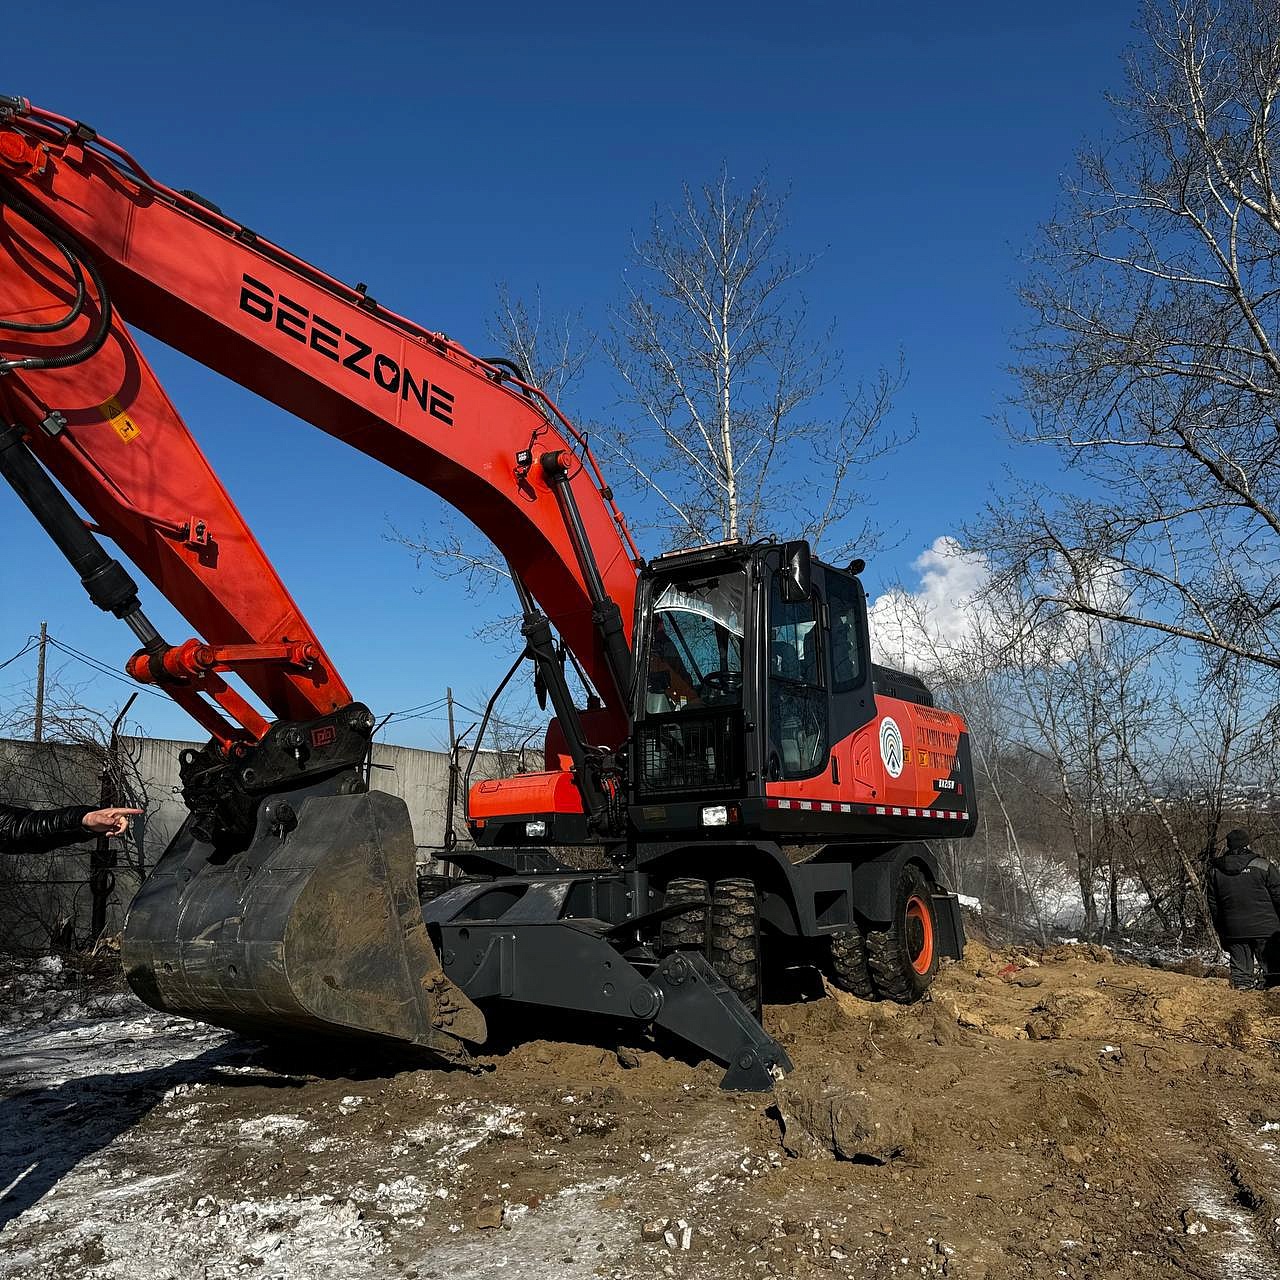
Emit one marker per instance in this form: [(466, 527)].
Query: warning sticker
[(124, 426)]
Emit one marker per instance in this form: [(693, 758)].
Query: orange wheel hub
[(919, 934)]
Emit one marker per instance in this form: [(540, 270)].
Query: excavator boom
[(326, 352)]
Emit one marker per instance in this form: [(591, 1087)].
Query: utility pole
[(44, 643), (449, 838)]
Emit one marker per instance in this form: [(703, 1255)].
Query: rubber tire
[(432, 885), (733, 939), (688, 930), (888, 949), (850, 967)]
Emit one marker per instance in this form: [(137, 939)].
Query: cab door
[(796, 664), (852, 703)]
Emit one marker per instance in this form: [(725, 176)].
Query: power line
[(414, 713), (22, 653), (98, 665), (421, 711)]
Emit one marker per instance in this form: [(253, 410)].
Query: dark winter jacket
[(39, 830), (1244, 895)]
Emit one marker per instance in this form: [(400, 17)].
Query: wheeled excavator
[(762, 792)]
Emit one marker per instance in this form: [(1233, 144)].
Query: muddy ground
[(1043, 1115)]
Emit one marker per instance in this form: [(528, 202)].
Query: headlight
[(535, 830), (715, 815)]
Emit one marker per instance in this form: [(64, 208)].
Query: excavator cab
[(753, 671)]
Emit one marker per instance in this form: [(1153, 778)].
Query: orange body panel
[(920, 741), (554, 792)]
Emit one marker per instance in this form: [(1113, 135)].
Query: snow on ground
[(85, 1193)]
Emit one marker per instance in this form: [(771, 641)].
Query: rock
[(488, 1217), (654, 1230), (1073, 1155), (974, 1021), (834, 1119), (1044, 1026), (679, 1236), (1005, 1031), (1025, 978), (790, 1227), (1191, 1223), (611, 1202), (628, 1058)]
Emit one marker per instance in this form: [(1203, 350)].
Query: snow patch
[(268, 1126)]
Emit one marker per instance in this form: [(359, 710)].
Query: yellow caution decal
[(125, 427)]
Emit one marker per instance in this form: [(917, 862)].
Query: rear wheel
[(903, 957), (686, 931), (432, 885), (733, 939), (850, 969)]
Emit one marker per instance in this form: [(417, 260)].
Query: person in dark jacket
[(1244, 900), (39, 830)]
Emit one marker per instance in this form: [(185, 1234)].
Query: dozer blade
[(315, 928)]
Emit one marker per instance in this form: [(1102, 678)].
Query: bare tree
[(551, 352), (1073, 721), (46, 899), (1151, 365), (740, 426)]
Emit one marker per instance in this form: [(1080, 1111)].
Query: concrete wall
[(43, 895)]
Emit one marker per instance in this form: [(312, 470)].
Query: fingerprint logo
[(891, 751)]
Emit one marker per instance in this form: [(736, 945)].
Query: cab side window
[(797, 692), (844, 607)]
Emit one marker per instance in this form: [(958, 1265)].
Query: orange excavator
[(762, 792)]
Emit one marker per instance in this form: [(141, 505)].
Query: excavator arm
[(87, 240)]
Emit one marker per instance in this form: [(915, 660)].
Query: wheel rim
[(919, 934)]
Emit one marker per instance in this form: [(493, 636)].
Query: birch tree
[(736, 418)]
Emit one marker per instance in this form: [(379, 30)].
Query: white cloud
[(911, 629), (931, 626)]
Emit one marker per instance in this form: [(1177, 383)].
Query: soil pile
[(1042, 1115)]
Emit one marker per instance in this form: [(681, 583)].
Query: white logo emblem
[(891, 751)]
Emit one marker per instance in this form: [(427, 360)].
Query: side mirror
[(797, 573)]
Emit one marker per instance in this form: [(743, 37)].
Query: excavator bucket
[(315, 928)]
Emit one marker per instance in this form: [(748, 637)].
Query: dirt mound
[(1042, 1115)]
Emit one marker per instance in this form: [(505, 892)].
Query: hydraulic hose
[(94, 342), (53, 326)]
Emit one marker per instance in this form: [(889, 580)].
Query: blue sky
[(435, 156)]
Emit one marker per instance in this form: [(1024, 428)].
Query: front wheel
[(733, 939), (903, 956), (687, 930)]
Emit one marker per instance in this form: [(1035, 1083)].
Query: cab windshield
[(695, 644)]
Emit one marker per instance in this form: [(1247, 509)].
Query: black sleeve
[(39, 830), (1273, 884)]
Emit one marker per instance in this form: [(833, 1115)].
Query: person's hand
[(108, 822)]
